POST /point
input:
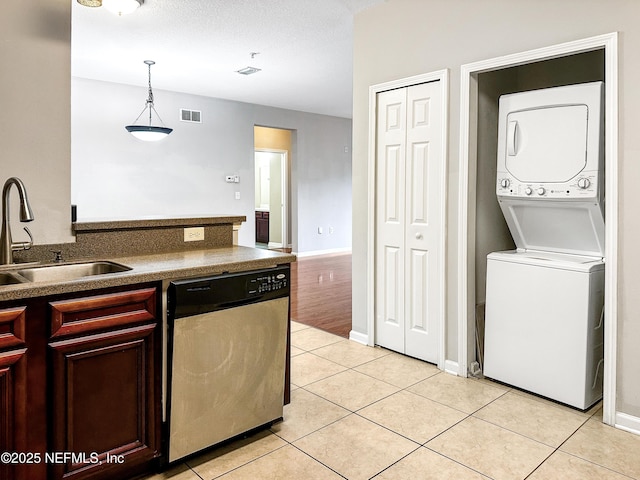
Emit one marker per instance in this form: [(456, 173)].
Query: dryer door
[(548, 144)]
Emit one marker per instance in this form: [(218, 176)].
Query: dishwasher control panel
[(208, 294), (267, 282)]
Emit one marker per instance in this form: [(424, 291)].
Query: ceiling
[(304, 49)]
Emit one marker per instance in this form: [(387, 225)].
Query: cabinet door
[(12, 408), (104, 408), (262, 227), (12, 386)]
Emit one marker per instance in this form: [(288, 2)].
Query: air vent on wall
[(194, 116)]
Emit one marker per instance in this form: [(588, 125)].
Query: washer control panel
[(583, 186)]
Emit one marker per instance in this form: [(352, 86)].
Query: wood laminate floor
[(321, 292)]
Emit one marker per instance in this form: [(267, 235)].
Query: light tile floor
[(359, 412)]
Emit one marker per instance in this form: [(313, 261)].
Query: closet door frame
[(466, 203), (442, 76)]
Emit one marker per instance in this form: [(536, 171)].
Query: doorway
[(272, 147), (271, 198), (472, 117)]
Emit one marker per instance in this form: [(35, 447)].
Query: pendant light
[(149, 133)]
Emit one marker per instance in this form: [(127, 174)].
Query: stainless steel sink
[(70, 271), (8, 279)]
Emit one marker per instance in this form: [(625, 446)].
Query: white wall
[(400, 38), (116, 176), (34, 113)]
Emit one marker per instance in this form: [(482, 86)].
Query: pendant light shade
[(149, 133), (90, 3)]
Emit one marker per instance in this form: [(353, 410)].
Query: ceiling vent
[(194, 116), (248, 70)]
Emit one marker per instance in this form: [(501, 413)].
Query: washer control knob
[(504, 183), (528, 191), (541, 191), (584, 183)]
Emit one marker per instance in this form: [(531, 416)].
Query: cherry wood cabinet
[(81, 373), (103, 382), (12, 386), (262, 227)]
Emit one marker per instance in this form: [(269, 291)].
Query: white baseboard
[(451, 367), (628, 423), (362, 338), (274, 245), (322, 252)]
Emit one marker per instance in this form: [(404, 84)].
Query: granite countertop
[(156, 267), (110, 225)]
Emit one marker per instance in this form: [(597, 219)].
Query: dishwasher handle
[(179, 311)]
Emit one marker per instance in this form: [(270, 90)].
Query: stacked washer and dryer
[(544, 300)]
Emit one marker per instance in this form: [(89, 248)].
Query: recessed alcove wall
[(492, 233)]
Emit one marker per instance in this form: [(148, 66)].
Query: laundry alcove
[(607, 44), (492, 233)]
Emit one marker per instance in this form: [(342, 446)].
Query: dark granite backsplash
[(139, 237)]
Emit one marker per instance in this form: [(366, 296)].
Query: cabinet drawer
[(86, 315), (12, 324)]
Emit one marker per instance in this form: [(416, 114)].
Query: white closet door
[(424, 222), (409, 221), (390, 218)]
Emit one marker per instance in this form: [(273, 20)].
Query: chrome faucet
[(7, 247)]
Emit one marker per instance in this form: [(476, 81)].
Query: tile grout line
[(396, 462), (316, 460), (582, 458), (244, 464), (456, 461)]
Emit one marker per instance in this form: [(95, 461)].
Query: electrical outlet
[(330, 230), (193, 234), (237, 195), (229, 179)]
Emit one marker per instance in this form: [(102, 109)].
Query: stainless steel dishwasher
[(226, 353)]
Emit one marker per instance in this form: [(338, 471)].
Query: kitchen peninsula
[(81, 359)]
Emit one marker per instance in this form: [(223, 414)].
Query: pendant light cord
[(150, 99), (149, 103)]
